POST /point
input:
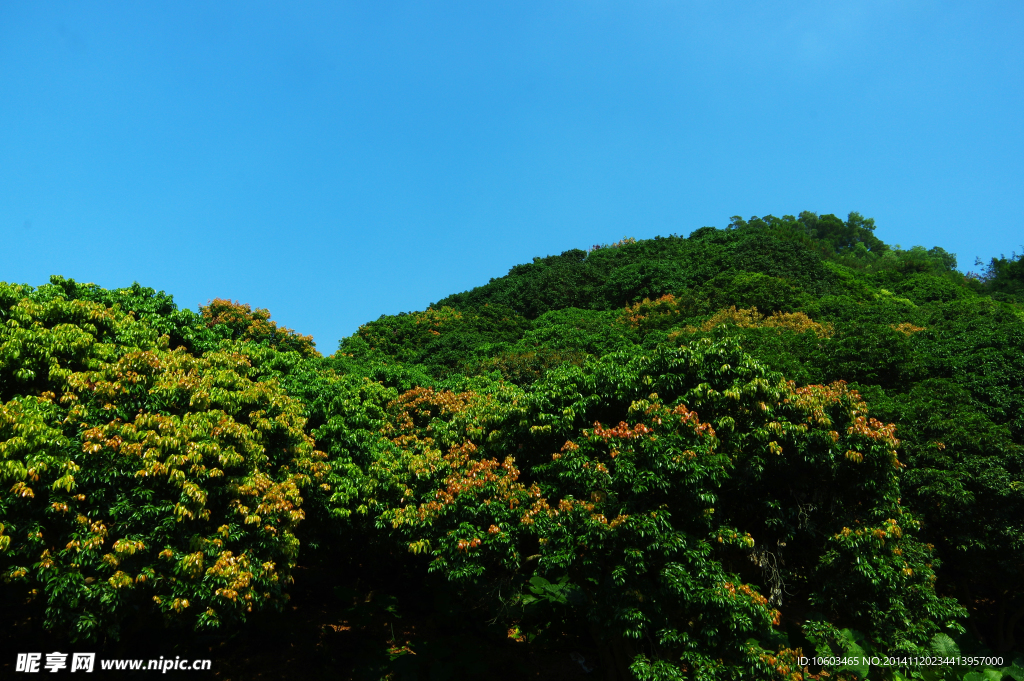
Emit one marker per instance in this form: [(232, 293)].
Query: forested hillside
[(698, 457)]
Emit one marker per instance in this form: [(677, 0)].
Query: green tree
[(138, 480)]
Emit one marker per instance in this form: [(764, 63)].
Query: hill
[(696, 457)]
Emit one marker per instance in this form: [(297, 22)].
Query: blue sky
[(337, 161)]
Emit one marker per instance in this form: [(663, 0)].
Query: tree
[(651, 486), (138, 480)]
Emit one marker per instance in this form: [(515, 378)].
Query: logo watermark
[(899, 661), (33, 663)]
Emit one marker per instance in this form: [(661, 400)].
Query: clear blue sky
[(336, 161)]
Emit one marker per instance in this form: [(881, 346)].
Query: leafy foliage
[(1004, 278), (705, 455), (246, 324), (137, 476)]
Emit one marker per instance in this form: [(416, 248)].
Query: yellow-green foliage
[(133, 474), (797, 322), (906, 328), (648, 313), (247, 324), (420, 325)]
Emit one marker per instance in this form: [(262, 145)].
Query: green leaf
[(1015, 671), (944, 646)]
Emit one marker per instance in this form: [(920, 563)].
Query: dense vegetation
[(689, 458)]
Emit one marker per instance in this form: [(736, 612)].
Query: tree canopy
[(697, 457)]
